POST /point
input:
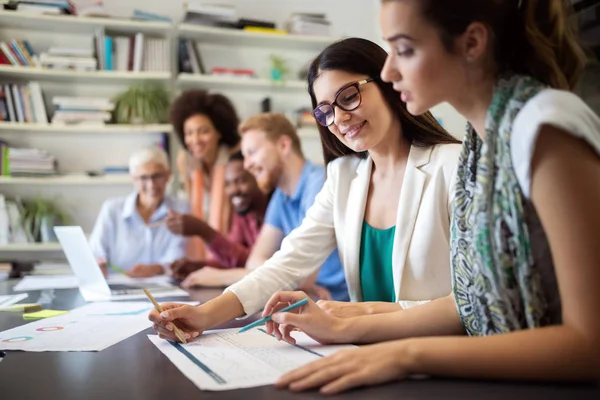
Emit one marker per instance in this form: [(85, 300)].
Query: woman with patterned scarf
[(525, 231)]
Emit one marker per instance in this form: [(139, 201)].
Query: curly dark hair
[(215, 106)]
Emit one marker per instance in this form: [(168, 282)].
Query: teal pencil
[(116, 269), (261, 321)]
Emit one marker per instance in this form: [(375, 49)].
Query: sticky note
[(44, 314)]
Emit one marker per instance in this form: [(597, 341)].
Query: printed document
[(225, 359)]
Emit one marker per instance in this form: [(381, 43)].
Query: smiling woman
[(206, 125), (385, 204)]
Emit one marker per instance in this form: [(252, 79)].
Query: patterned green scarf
[(496, 285)]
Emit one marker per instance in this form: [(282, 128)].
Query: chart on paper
[(92, 327), (224, 360)]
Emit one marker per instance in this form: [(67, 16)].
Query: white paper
[(225, 359), (6, 301), (42, 282), (93, 327)]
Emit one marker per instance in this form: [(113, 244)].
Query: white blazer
[(421, 254)]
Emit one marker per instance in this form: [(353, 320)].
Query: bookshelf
[(75, 129), (31, 252), (68, 179), (96, 149), (53, 75), (226, 82), (75, 24), (223, 36)]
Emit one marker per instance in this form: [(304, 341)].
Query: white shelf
[(30, 247), (114, 128), (33, 73), (70, 179), (238, 37), (69, 23), (226, 82)]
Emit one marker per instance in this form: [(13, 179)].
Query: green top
[(376, 277)]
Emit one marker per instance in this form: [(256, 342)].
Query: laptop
[(92, 285)]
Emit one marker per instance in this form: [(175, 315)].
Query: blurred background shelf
[(71, 179), (224, 36), (226, 82), (114, 128)]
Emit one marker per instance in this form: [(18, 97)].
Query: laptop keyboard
[(121, 289)]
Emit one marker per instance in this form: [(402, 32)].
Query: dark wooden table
[(135, 369)]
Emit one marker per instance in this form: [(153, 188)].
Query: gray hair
[(149, 154)]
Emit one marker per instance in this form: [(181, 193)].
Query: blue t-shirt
[(286, 214)]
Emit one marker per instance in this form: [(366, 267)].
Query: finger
[(287, 330), (350, 380), (301, 373), (298, 320), (282, 297), (320, 377), (173, 313), (269, 326)]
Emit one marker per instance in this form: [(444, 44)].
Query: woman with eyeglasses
[(129, 232), (385, 205)]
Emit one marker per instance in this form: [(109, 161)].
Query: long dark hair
[(531, 37), (361, 56)]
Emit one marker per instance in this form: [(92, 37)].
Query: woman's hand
[(309, 318), (189, 319), (364, 366), (344, 309)]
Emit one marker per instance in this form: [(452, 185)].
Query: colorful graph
[(50, 328), (18, 339)]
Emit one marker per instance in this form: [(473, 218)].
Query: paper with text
[(43, 282), (225, 359)]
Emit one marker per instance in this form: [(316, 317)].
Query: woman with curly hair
[(206, 125)]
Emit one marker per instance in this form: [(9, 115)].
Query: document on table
[(225, 359), (42, 282), (93, 327), (9, 300)]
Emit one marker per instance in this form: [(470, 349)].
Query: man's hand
[(103, 267), (145, 271), (183, 224), (181, 268)]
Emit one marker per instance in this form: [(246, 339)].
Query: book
[(138, 52)]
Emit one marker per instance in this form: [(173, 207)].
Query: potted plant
[(142, 104), (41, 216), (279, 68)]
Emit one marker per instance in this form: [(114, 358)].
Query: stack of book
[(220, 15), (68, 58), (27, 162), (23, 103), (94, 111), (12, 228), (19, 53), (52, 7), (131, 53), (308, 24)]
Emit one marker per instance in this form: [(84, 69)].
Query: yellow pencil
[(159, 309)]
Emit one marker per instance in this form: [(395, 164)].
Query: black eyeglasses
[(347, 98)]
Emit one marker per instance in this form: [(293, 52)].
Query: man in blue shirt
[(273, 154), (130, 232)]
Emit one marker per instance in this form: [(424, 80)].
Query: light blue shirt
[(122, 237), (286, 214)]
